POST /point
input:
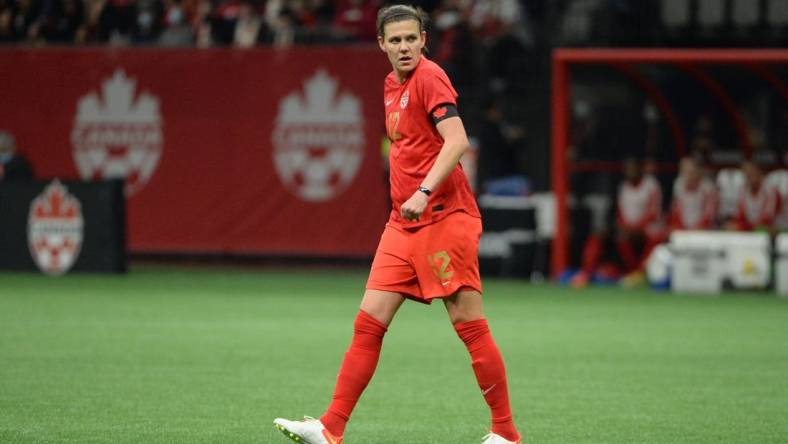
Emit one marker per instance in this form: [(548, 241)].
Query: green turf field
[(193, 356)]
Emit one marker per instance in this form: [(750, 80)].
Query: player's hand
[(414, 207)]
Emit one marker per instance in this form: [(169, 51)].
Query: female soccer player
[(429, 246)]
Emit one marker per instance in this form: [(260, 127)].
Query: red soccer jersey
[(693, 208), (640, 205), (757, 208), (415, 144)]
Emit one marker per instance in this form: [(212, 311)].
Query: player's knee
[(458, 316), (464, 306), (381, 305), (380, 315)]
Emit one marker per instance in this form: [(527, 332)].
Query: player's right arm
[(455, 144)]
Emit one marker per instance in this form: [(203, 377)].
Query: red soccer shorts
[(432, 261)]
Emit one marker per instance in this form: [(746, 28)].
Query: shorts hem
[(392, 288), (452, 289), (424, 299)]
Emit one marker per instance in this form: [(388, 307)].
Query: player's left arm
[(455, 144)]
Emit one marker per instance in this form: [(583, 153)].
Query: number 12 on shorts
[(440, 264)]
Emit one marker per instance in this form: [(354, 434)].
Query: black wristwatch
[(425, 190)]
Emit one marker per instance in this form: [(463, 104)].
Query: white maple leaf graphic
[(320, 103), (319, 139), (118, 105), (118, 135)]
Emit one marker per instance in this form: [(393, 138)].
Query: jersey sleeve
[(740, 219), (710, 203), (435, 89)]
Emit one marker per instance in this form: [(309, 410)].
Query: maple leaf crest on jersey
[(318, 139), (118, 135), (55, 229), (403, 102)]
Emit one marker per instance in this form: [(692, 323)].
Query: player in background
[(429, 247), (639, 220), (13, 165), (694, 205), (639, 228), (758, 204), (778, 179)]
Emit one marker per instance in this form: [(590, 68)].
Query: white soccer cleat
[(308, 431), (492, 438)]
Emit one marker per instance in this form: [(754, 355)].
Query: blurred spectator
[(55, 21), (499, 25), (7, 15), (503, 29), (177, 31), (222, 21), (116, 21), (282, 21), (93, 11), (13, 165), (304, 19), (355, 20), (17, 19), (758, 204), (148, 22), (324, 12), (297, 22), (62, 21), (694, 205), (577, 21), (499, 144), (449, 15), (202, 24), (248, 27), (452, 43), (496, 18)]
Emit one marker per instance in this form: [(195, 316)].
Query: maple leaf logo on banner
[(55, 229), (116, 136), (319, 139)]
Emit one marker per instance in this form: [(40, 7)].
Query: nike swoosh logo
[(445, 283), (330, 438), (389, 102), (485, 392)]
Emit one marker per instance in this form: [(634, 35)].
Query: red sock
[(628, 255), (488, 366), (356, 371), (592, 252)]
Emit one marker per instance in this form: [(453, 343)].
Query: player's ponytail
[(398, 13)]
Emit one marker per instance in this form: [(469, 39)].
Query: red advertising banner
[(229, 151)]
